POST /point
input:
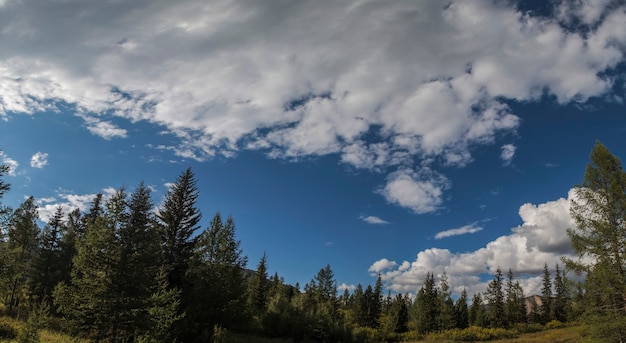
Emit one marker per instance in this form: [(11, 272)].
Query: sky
[(387, 138)]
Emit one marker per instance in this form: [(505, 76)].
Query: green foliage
[(8, 328), (495, 299), (473, 334), (37, 320), (177, 220), (599, 211)]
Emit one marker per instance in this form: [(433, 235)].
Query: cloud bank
[(395, 87), (541, 238)]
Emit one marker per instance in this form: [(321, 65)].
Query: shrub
[(555, 324), (8, 329)]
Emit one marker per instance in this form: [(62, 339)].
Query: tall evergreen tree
[(546, 296), (515, 302), (561, 296), (49, 266), (258, 289), (477, 313), (446, 317), (89, 302), (599, 211), (178, 220), (426, 306), (23, 247), (461, 312), (216, 276), (495, 299)]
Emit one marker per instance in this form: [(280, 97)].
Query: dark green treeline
[(124, 272)]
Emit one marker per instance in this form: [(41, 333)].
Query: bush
[(8, 329), (555, 324)]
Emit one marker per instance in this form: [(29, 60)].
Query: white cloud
[(68, 202), (104, 129), (39, 160), (381, 84), (373, 220), (471, 228), (6, 160), (508, 151), (381, 265), (542, 238), (421, 193), (345, 286)]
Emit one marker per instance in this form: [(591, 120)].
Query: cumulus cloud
[(6, 160), (39, 160), (381, 265), (471, 228), (380, 84), (373, 220), (507, 153), (541, 238), (419, 192), (68, 202)]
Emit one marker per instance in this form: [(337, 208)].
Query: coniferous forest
[(130, 270)]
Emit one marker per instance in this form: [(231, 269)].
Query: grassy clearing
[(572, 334)]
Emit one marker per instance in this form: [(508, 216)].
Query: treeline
[(123, 271)]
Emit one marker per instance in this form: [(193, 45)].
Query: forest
[(130, 270)]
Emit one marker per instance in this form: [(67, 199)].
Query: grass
[(572, 334)]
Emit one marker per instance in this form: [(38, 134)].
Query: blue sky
[(391, 137)]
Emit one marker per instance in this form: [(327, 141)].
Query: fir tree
[(461, 313), (546, 307), (178, 220), (477, 313), (495, 299), (561, 296)]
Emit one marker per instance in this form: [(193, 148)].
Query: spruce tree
[(546, 296), (446, 317), (477, 313), (461, 313), (23, 245), (515, 303), (426, 307), (217, 296), (178, 220), (258, 289), (49, 267), (495, 299), (561, 296)]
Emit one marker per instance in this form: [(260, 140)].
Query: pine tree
[(216, 275), (515, 303), (23, 247), (477, 313), (88, 302), (48, 264), (561, 296), (546, 307), (599, 211), (461, 313), (426, 307), (495, 299), (178, 220), (446, 318), (258, 289)]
